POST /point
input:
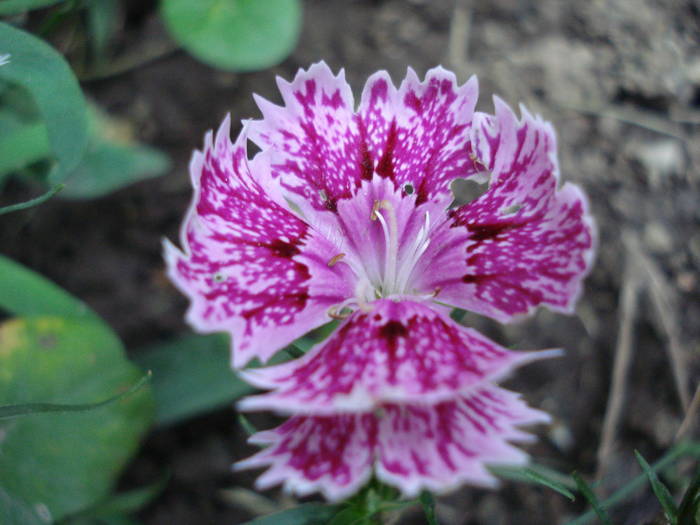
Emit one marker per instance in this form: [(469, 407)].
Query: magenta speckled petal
[(442, 446), (331, 455), (413, 447), (420, 133), (240, 267), (313, 139), (399, 352), (524, 242)]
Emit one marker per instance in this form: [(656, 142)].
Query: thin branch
[(665, 302), (690, 417), (460, 27), (629, 299)]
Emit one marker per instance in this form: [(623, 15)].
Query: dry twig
[(629, 299), (458, 46)]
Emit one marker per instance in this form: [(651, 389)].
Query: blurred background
[(620, 81)]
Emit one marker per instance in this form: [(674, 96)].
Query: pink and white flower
[(345, 214)]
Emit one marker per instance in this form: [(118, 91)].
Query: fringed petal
[(400, 352), (241, 266), (412, 447), (523, 243)]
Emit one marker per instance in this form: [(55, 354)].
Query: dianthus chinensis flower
[(345, 214)]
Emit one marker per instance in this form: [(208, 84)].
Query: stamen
[(391, 236), (335, 259), (360, 297), (411, 256), (334, 313)]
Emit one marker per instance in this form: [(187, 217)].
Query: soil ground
[(619, 79)]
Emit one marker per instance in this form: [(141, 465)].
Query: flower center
[(398, 263)]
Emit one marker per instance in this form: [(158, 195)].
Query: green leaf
[(13, 7), (26, 293), (113, 160), (30, 409), (306, 514), (191, 375), (239, 35), (591, 498), (428, 502), (67, 462), (690, 504), (33, 202), (39, 68), (679, 450), (14, 511), (350, 516), (248, 427), (660, 490), (125, 503), (539, 475), (102, 19), (24, 145)]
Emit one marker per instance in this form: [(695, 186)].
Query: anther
[(335, 259), (333, 312)]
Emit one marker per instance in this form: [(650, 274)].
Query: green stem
[(10, 411), (33, 202)]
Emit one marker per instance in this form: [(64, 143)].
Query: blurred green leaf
[(306, 514), (24, 145), (248, 427), (113, 160), (239, 35), (428, 503), (191, 375), (121, 504), (690, 504), (30, 409), (102, 20), (540, 475), (14, 511), (33, 202), (592, 499), (682, 449), (350, 516), (660, 490), (24, 292), (39, 68), (67, 462), (12, 7)]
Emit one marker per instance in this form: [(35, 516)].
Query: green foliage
[(592, 499), (66, 462), (662, 493), (307, 514), (540, 475), (247, 426), (238, 35), (112, 160), (191, 375), (428, 503), (26, 293), (13, 7), (102, 18), (41, 70), (690, 504), (116, 506), (14, 511)]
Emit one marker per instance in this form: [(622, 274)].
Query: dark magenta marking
[(385, 166)]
